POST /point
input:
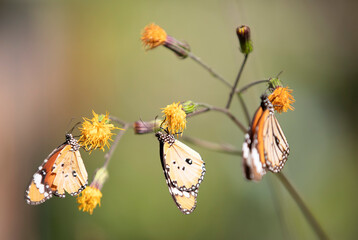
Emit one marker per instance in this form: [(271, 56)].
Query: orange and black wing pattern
[(184, 171), (265, 146), (63, 170)]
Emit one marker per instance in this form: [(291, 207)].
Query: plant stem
[(250, 85), (236, 82), (109, 154), (226, 148), (222, 110), (304, 209), (210, 70), (246, 111), (117, 120)]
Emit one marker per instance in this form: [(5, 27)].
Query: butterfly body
[(63, 170), (184, 171), (265, 146)]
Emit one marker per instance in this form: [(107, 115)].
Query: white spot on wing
[(177, 192), (256, 161), (37, 181), (186, 194)]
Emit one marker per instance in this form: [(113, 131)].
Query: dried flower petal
[(281, 99), (153, 36)]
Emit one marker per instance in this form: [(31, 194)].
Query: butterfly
[(265, 146), (184, 171), (63, 170)]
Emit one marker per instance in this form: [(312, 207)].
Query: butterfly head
[(165, 137), (72, 141), (265, 103)]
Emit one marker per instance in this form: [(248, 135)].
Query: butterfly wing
[(184, 171), (69, 173), (274, 144), (63, 170), (39, 189), (265, 145), (252, 165)]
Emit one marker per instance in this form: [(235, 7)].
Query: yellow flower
[(153, 36), (175, 118), (89, 199), (96, 132), (281, 99)]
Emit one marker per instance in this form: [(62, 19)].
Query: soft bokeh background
[(61, 59)]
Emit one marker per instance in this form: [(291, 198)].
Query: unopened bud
[(141, 127), (189, 106), (244, 35), (274, 83), (179, 48), (100, 177)]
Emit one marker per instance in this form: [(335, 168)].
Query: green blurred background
[(61, 59)]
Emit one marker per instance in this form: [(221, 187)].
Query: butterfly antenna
[(279, 74), (73, 128)]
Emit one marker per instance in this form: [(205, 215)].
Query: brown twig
[(246, 111), (110, 152), (117, 120), (210, 70), (233, 90), (222, 110), (226, 148), (250, 85), (301, 204)]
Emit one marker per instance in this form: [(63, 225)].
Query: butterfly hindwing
[(183, 169)]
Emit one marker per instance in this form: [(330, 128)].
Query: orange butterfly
[(63, 170), (265, 145), (183, 169)]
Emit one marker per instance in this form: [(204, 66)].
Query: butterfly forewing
[(50, 179), (276, 146), (184, 170), (70, 173), (185, 165)]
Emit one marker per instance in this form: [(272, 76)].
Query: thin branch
[(109, 154), (304, 209), (250, 85), (233, 90), (222, 110), (117, 120), (246, 111), (226, 148), (210, 70), (277, 202)]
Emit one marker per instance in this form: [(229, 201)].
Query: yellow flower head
[(96, 132), (175, 118), (153, 36), (281, 99), (89, 199)]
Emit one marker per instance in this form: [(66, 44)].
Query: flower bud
[(243, 34), (274, 83), (189, 106), (141, 127), (100, 177), (179, 48)]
